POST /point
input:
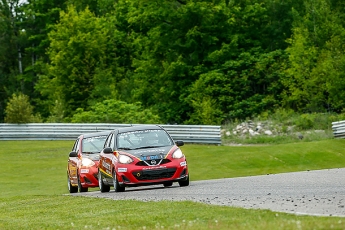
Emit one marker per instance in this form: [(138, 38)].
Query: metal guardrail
[(338, 128), (203, 134)]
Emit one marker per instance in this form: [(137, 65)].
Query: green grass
[(33, 184), (64, 212)]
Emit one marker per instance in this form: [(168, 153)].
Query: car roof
[(96, 134), (138, 127)]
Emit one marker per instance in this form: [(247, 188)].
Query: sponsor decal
[(106, 165), (154, 167), (84, 171), (150, 151), (141, 131), (122, 169), (92, 139), (152, 157), (183, 163)]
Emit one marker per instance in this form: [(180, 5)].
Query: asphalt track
[(319, 192)]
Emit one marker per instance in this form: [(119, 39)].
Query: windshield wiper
[(147, 147), (125, 148)]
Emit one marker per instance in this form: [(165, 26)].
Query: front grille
[(149, 163), (155, 174), (125, 179), (183, 173), (87, 181), (95, 176)]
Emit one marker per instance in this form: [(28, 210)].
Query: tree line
[(171, 61)]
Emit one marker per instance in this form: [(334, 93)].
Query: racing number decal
[(106, 165)]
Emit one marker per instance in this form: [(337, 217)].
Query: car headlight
[(87, 162), (123, 159), (177, 154)]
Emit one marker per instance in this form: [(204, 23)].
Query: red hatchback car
[(83, 161), (141, 155)]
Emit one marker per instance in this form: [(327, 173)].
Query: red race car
[(141, 155), (83, 161)]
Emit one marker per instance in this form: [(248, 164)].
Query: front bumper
[(133, 175), (88, 177)]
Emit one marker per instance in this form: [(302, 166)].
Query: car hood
[(93, 156), (139, 153)]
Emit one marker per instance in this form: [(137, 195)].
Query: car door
[(105, 161), (73, 164)]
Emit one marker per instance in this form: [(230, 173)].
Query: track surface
[(319, 192)]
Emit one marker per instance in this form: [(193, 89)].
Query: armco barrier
[(208, 134), (338, 128)]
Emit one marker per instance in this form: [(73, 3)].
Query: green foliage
[(314, 77), (305, 121), (19, 110), (286, 127), (206, 112), (239, 92), (194, 62), (78, 65), (284, 116), (57, 113), (113, 111)]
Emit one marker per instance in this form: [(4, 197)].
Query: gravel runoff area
[(319, 192)]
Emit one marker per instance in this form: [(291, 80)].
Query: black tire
[(117, 187), (184, 183), (80, 187), (102, 186), (168, 184), (71, 189)]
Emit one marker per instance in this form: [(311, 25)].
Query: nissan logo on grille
[(153, 162)]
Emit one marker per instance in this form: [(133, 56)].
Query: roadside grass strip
[(34, 181)]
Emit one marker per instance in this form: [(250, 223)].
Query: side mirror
[(108, 150), (179, 143), (73, 154)]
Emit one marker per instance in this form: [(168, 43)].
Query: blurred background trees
[(186, 62)]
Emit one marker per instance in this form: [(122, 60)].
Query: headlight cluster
[(177, 154), (123, 159), (87, 162)]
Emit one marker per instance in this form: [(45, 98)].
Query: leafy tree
[(9, 45), (181, 46), (98, 7), (247, 87), (173, 40), (314, 79), (23, 41), (114, 111), (79, 70), (19, 110)]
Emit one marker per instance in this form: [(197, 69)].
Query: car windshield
[(143, 139), (93, 144)]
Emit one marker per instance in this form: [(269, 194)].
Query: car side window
[(107, 142), (75, 146), (112, 142)]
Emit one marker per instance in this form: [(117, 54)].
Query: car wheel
[(184, 182), (80, 187), (102, 186), (168, 184), (117, 187), (71, 189)]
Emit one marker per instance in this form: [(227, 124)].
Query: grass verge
[(34, 180), (64, 212)]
